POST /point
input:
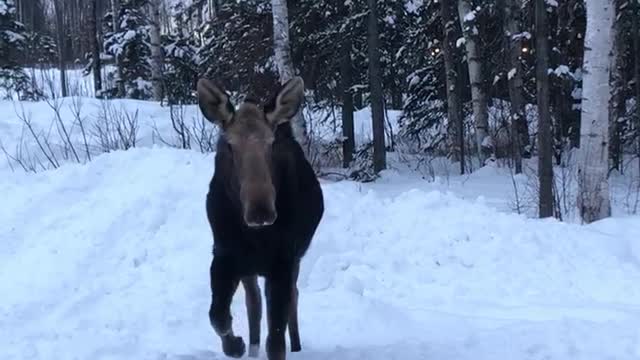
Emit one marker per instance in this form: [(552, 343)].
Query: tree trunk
[(484, 142), (562, 89), (519, 131), (375, 87), (95, 48), (284, 63), (157, 59), (593, 194), (617, 104), (358, 101), (635, 33), (395, 90), (454, 108), (545, 142), (346, 74), (115, 10), (60, 31)]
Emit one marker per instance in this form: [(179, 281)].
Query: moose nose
[(260, 216)]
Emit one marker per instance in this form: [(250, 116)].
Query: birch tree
[(593, 194), (282, 49), (156, 50), (484, 142), (454, 105)]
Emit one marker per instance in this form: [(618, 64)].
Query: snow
[(522, 35), (116, 266), (48, 80), (109, 259), (511, 73), (576, 93), (461, 41), (552, 3), (470, 16), (413, 6), (12, 36), (389, 19), (562, 70), (488, 142), (7, 6), (129, 35), (154, 125)]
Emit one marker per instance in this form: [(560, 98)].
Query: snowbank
[(153, 125), (109, 260)]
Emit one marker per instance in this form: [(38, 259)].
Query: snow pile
[(109, 260)]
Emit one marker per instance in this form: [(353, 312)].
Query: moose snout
[(261, 214), (259, 206)]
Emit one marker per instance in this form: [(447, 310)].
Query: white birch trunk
[(478, 96), (156, 50), (593, 193), (282, 49)]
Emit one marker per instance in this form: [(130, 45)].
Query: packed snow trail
[(110, 260)]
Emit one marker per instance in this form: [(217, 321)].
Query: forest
[(410, 179), (467, 78)]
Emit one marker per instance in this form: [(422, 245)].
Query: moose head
[(249, 133)]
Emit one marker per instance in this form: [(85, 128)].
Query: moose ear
[(214, 103), (287, 101)]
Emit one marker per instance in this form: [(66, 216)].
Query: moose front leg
[(223, 285), (278, 293), (253, 301)]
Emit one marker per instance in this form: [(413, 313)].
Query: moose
[(264, 205)]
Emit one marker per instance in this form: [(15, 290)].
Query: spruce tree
[(130, 45), (13, 44)]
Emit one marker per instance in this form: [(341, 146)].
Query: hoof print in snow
[(233, 346)]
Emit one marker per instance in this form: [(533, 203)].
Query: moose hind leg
[(294, 334), (254, 312), (223, 285)]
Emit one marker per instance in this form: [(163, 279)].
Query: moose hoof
[(254, 350), (233, 346)]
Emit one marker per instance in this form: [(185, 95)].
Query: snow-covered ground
[(48, 80), (109, 259)]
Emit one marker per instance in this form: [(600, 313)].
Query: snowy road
[(110, 261)]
